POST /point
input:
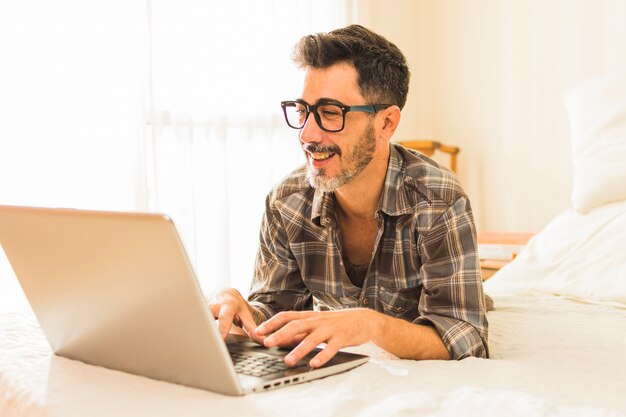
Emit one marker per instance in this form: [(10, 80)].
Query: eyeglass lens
[(330, 116)]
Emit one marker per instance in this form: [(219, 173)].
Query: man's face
[(335, 159)]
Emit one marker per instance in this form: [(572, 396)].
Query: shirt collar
[(394, 200), (323, 208)]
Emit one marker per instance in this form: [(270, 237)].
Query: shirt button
[(327, 220), (365, 301)]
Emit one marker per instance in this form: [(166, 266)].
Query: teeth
[(320, 156)]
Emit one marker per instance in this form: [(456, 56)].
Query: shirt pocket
[(402, 303)]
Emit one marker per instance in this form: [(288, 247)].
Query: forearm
[(452, 299), (406, 340)]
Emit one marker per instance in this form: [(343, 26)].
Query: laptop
[(117, 290)]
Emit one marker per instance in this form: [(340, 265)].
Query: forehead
[(338, 82)]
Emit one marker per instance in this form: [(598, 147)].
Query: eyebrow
[(323, 100)]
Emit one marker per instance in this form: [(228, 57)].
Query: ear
[(389, 120)]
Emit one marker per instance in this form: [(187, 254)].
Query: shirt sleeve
[(277, 284), (452, 298)]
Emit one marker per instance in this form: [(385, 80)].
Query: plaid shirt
[(424, 267)]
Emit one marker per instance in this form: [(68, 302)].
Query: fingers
[(280, 320), (337, 329), (324, 356), (301, 329), (308, 345), (214, 307), (285, 341), (228, 306), (304, 348), (225, 317), (285, 329), (250, 326)]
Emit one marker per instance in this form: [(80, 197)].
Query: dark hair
[(383, 74)]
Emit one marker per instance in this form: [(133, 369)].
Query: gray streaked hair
[(383, 74)]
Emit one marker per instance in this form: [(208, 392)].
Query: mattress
[(550, 356)]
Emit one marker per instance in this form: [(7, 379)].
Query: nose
[(311, 132)]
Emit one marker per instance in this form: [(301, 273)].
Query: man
[(368, 242)]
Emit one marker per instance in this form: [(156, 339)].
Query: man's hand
[(307, 329), (229, 307)]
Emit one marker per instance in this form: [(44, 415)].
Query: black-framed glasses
[(330, 117)]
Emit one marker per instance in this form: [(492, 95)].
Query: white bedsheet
[(550, 357)]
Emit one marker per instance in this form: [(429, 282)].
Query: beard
[(356, 160)]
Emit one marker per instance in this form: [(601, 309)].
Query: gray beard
[(317, 178), (359, 158)]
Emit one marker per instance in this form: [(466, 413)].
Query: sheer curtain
[(71, 103), (216, 141), (71, 108), (160, 105)]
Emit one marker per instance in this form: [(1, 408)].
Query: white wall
[(488, 76)]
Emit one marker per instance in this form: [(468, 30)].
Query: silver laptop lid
[(117, 290)]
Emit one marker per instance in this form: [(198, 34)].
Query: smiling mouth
[(321, 156)]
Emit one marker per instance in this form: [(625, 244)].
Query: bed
[(557, 333)]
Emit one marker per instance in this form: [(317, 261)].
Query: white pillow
[(577, 255), (597, 113)]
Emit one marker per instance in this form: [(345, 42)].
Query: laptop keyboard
[(260, 364)]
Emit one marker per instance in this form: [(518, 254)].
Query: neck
[(360, 197)]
